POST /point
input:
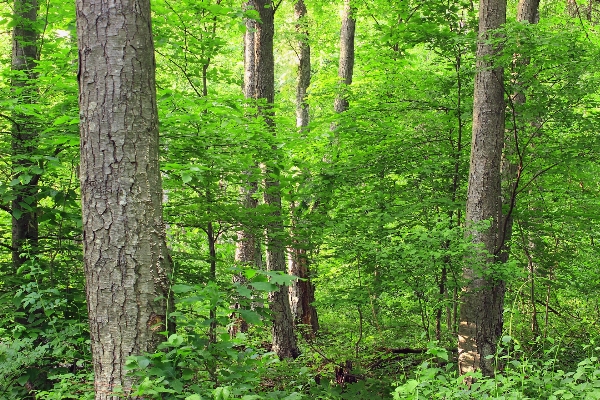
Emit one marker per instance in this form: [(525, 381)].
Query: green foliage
[(377, 204), (189, 364), (521, 378)]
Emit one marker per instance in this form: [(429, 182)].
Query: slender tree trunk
[(246, 246), (302, 114), (125, 255), (302, 291), (527, 11), (261, 84), (483, 297), (25, 56), (212, 249), (346, 63)]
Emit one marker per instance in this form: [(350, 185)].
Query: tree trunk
[(301, 291), (302, 115), (25, 56), (246, 254), (527, 11), (483, 296), (346, 63), (262, 86), (125, 255)]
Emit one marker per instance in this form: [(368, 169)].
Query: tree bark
[(302, 115), (346, 63), (263, 87), (246, 253), (25, 56), (483, 297), (125, 255), (301, 291)]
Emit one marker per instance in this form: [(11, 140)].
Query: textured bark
[(125, 255), (527, 11), (263, 87), (246, 253), (483, 297), (346, 63), (24, 132), (302, 115), (302, 291)]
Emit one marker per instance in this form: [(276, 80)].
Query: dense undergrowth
[(52, 361)]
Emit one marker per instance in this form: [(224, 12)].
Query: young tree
[(247, 251), (483, 297), (126, 259), (25, 55), (302, 291), (346, 63), (259, 82)]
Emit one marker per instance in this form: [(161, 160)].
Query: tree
[(247, 251), (125, 255), (483, 297), (25, 55), (346, 63), (302, 291), (259, 82)]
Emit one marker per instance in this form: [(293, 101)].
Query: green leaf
[(282, 279), (182, 288), (244, 291), (175, 340), (264, 286), (143, 362), (186, 177), (250, 316), (23, 379)]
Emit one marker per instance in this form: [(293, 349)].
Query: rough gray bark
[(24, 132), (125, 255), (346, 63), (483, 297), (261, 85)]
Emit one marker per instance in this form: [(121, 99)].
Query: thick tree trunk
[(483, 297), (125, 255), (262, 86), (24, 133)]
